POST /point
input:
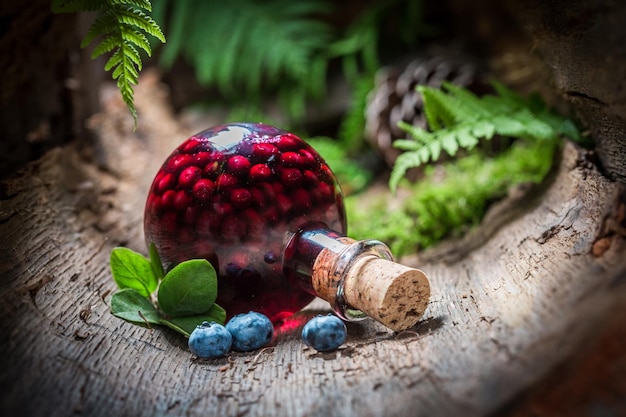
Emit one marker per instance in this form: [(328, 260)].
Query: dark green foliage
[(352, 127), (240, 45), (252, 49), (450, 199), (122, 26), (458, 119)]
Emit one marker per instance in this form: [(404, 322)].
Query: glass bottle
[(266, 210)]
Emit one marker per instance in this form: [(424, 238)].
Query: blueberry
[(324, 333), (210, 340), (250, 331)]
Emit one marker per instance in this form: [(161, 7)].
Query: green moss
[(451, 198)]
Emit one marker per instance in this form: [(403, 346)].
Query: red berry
[(190, 146), (307, 159), (167, 199), (262, 152), (289, 142), (238, 165), (182, 200), (178, 162), (203, 189), (188, 176), (202, 159), (260, 172), (212, 169), (328, 191), (225, 182), (309, 178), (291, 177), (240, 197), (278, 189), (290, 159), (165, 182)]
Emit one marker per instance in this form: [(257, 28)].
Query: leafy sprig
[(122, 26), (458, 119), (185, 298)]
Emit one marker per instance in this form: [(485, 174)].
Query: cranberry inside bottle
[(236, 195)]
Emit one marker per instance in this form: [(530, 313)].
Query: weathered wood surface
[(501, 316)]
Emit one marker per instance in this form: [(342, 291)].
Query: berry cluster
[(230, 195), (239, 191), (252, 331), (243, 333)]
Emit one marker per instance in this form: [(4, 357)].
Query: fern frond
[(139, 39), (122, 25), (140, 4), (458, 119), (439, 111), (105, 23), (260, 43), (135, 17), (108, 44)]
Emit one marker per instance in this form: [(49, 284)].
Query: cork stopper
[(360, 276), (391, 293)]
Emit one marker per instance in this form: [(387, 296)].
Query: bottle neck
[(318, 260)]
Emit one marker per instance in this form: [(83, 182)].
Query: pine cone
[(394, 97)]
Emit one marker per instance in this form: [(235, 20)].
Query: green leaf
[(155, 262), (107, 45), (130, 305), (190, 288), (131, 270), (187, 324)]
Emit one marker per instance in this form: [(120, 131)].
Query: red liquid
[(235, 195)]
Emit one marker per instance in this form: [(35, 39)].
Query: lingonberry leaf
[(130, 305), (131, 270), (185, 325), (190, 288), (155, 262)]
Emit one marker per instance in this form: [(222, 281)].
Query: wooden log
[(501, 316)]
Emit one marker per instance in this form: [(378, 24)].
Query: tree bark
[(49, 85), (500, 318)]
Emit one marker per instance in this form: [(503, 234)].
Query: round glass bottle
[(265, 209)]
